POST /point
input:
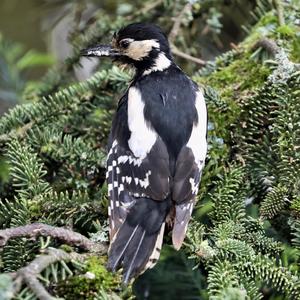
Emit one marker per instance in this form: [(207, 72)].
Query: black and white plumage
[(157, 149)]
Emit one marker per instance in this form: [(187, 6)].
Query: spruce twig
[(19, 132)]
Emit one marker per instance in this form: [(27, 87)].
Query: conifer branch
[(186, 56), (20, 132), (65, 235), (29, 275)]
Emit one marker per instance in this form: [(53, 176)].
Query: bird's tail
[(136, 246)]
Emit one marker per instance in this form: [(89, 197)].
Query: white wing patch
[(190, 163), (197, 142), (142, 136)]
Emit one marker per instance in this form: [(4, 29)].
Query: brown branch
[(196, 60), (29, 274), (65, 235), (285, 67), (148, 7), (177, 24), (279, 8), (175, 31), (271, 46), (268, 45)]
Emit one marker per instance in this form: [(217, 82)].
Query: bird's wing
[(189, 166), (139, 168)]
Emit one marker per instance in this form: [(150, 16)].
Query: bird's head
[(141, 45)]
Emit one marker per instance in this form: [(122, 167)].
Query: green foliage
[(227, 197), (274, 202), (26, 171), (262, 115), (296, 233), (267, 270), (223, 282), (80, 209), (96, 278)]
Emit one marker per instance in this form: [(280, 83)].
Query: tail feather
[(156, 249), (182, 216), (133, 262), (120, 249), (137, 243)]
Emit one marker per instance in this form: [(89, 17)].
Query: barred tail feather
[(156, 250), (136, 246)]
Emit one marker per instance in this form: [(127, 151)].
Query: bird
[(156, 149)]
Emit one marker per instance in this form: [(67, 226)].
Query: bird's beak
[(100, 50)]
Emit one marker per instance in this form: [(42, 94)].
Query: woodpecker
[(156, 150)]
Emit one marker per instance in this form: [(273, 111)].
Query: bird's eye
[(124, 44)]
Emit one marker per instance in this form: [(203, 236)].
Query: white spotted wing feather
[(142, 170)]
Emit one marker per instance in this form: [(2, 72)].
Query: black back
[(169, 98)]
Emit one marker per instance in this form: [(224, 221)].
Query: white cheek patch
[(161, 63), (137, 50), (142, 136), (197, 141)]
